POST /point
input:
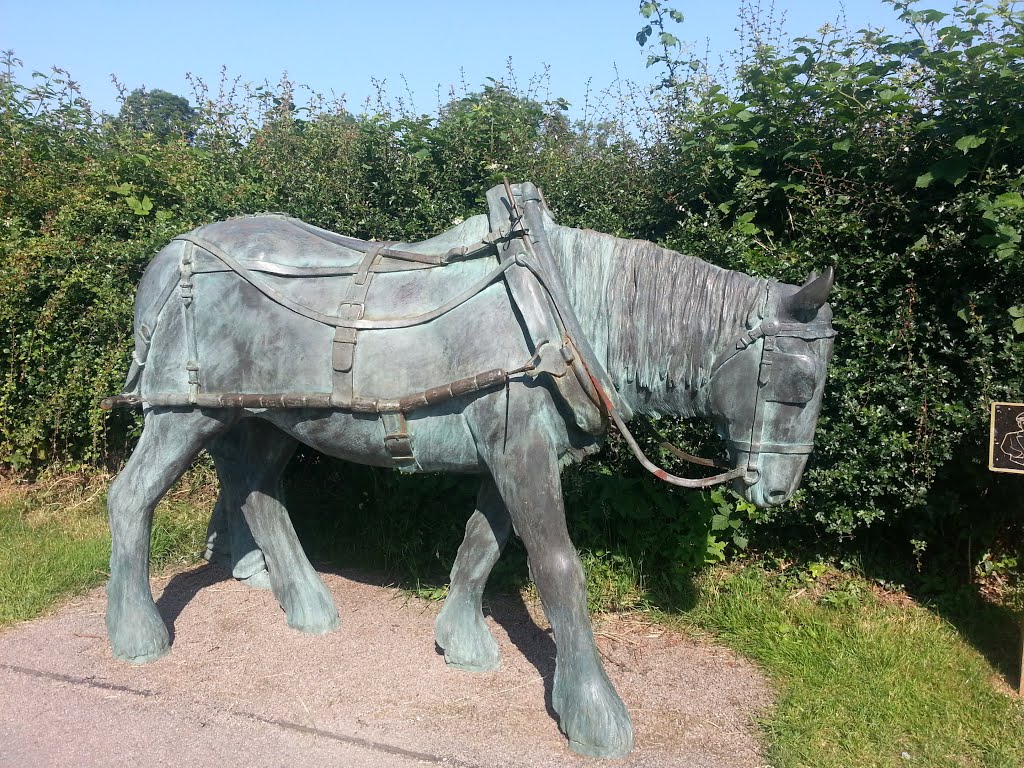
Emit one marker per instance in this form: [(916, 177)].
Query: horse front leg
[(169, 442), (460, 629), (590, 712)]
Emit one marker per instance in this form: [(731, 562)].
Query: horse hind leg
[(170, 441), (253, 475), (460, 629), (229, 541)]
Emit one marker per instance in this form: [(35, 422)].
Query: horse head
[(766, 388)]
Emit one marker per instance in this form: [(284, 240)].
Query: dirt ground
[(241, 688)]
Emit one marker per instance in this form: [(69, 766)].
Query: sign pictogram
[(1006, 444)]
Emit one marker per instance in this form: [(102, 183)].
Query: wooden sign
[(1006, 443)]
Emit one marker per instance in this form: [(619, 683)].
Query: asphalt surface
[(239, 688)]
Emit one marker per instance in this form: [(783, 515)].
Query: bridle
[(767, 331)]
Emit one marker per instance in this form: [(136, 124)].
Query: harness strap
[(397, 440), (287, 270), (496, 377), (343, 352), (757, 423), (541, 261), (774, 329), (458, 253), (191, 344), (793, 449)]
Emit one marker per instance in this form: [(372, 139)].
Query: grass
[(54, 540), (863, 678)]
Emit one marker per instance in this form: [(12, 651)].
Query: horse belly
[(442, 441)]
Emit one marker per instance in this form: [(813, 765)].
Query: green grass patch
[(54, 540), (861, 680), (44, 563)]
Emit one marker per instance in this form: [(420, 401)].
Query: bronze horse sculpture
[(504, 347)]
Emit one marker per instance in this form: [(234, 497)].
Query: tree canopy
[(161, 113)]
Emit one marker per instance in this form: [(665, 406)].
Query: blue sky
[(340, 47)]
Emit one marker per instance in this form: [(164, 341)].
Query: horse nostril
[(776, 497)]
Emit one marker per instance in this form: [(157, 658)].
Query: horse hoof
[(259, 580), (466, 641), (321, 625), (475, 660), (137, 637), (597, 724), (142, 657), (312, 611)]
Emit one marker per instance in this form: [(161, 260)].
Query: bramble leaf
[(966, 143)]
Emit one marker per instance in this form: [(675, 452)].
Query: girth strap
[(398, 441)]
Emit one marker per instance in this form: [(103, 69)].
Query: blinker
[(792, 379)]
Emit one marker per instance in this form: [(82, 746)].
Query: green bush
[(896, 158)]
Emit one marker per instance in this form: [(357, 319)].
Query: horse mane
[(657, 318)]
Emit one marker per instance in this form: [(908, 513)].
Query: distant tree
[(158, 112)]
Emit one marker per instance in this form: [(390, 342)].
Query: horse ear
[(814, 293)]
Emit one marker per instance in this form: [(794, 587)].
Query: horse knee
[(561, 569)]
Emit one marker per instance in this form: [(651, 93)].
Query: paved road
[(240, 688)]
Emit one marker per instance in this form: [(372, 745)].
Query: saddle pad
[(265, 241)]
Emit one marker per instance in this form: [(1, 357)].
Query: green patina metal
[(506, 346)]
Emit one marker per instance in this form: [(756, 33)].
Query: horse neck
[(655, 318)]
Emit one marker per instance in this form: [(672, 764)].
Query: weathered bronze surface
[(506, 346)]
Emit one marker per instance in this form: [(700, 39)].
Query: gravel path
[(240, 688)]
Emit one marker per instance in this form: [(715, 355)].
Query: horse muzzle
[(772, 479)]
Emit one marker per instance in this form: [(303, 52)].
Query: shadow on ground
[(993, 630), (183, 587)]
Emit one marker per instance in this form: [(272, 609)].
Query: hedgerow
[(895, 158)]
